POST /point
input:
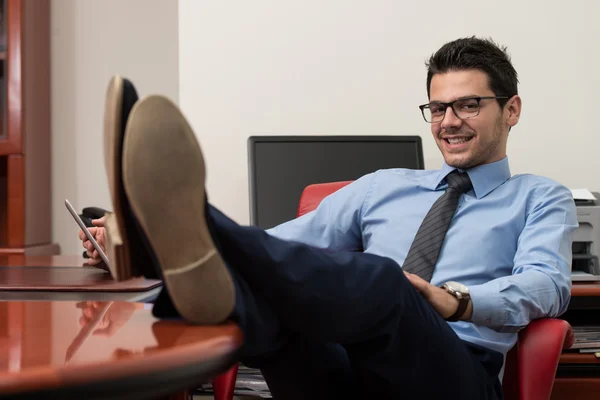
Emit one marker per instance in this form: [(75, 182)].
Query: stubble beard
[(484, 152)]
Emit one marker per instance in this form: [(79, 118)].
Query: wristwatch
[(461, 292)]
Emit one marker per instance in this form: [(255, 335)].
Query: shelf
[(585, 289), (39, 250), (578, 358)]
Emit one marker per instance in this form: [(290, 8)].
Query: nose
[(450, 121)]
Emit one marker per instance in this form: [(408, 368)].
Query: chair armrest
[(540, 347)]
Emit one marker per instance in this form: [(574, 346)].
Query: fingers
[(419, 283), (100, 238), (91, 252), (99, 235), (89, 249), (99, 222), (88, 245), (81, 235), (93, 261)]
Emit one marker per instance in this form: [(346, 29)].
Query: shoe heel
[(118, 254)]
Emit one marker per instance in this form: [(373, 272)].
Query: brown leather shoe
[(125, 240), (164, 180)]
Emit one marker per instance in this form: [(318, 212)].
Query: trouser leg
[(393, 337)]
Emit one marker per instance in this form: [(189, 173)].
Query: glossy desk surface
[(105, 348)]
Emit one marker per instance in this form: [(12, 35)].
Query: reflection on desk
[(106, 348)]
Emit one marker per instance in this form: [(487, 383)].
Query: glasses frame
[(450, 104)]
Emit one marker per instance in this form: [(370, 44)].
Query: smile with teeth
[(457, 140)]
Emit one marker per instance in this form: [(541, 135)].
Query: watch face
[(457, 287)]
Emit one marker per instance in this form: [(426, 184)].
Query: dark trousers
[(334, 325)]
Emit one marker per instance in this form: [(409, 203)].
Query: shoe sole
[(164, 179)]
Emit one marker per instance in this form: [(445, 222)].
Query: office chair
[(530, 365)]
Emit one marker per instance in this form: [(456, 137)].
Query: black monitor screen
[(280, 167)]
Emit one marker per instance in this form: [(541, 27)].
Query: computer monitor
[(280, 167)]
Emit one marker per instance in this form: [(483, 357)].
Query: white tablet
[(87, 232)]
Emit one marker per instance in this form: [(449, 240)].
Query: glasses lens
[(466, 108), (434, 112)]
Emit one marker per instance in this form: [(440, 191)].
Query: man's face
[(466, 143)]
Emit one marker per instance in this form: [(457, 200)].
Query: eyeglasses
[(463, 108)]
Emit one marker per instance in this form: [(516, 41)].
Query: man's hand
[(443, 302), (98, 233)]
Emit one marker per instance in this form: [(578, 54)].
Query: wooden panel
[(576, 388), (13, 145), (15, 200), (26, 211), (3, 205), (578, 358), (36, 121)]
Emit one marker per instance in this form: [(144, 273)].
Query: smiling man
[(476, 131), (454, 262)]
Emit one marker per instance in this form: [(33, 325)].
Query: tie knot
[(459, 181)]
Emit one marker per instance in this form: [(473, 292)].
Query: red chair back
[(312, 195)]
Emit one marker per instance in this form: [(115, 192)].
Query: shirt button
[(487, 321)]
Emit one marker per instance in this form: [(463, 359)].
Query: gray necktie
[(426, 246)]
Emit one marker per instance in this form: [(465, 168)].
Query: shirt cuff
[(489, 309)]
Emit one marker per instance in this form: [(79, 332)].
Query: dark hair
[(480, 54)]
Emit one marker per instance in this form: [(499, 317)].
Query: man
[(486, 252)]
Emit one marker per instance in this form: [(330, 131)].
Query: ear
[(512, 110)]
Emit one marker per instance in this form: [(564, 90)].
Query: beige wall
[(91, 41), (310, 67), (357, 67)]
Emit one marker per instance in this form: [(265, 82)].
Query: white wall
[(91, 41), (357, 67)]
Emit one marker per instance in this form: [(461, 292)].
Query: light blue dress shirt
[(509, 241)]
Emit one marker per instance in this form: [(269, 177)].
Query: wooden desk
[(58, 350), (19, 260)]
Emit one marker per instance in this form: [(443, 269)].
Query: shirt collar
[(485, 178)]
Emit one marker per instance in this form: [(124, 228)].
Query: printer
[(586, 241)]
